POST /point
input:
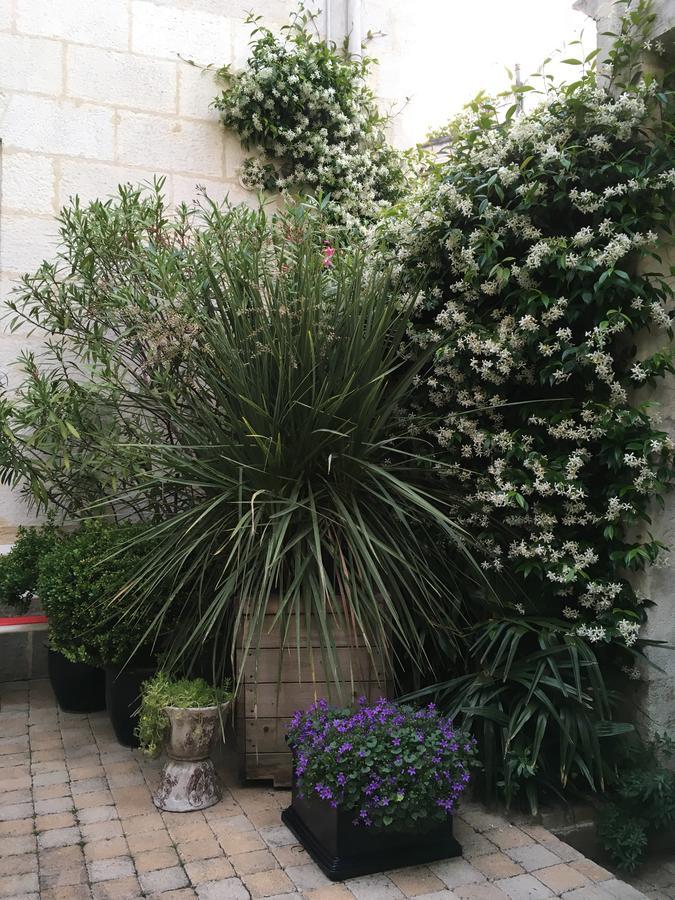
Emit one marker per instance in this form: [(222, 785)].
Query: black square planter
[(344, 850)]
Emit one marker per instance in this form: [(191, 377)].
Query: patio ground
[(77, 821)]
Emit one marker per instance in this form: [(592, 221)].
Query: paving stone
[(255, 861), (508, 837), (496, 865), (197, 830), (15, 885), (590, 892), (56, 805), (227, 889), (64, 877), (206, 848), (374, 887), (439, 895), (621, 890), (94, 798), (291, 855), (415, 880), (98, 831), (58, 837), (561, 878), (152, 860), (94, 814), (307, 877), (523, 887), (266, 884), (117, 889), (203, 870), (153, 840), (66, 892), (180, 894), (16, 811), (23, 843), (16, 827), (241, 842), (482, 891), (106, 849), (20, 864), (591, 870), (55, 820), (109, 869), (564, 851), (279, 836), (333, 892), (453, 872), (532, 857), (163, 880), (61, 858), (151, 821)]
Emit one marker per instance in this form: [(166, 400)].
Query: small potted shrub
[(19, 568), (181, 716), (375, 788), (89, 631)]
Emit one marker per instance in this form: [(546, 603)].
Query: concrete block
[(103, 23), (167, 31), (170, 145), (110, 77), (91, 181), (15, 657), (27, 240), (57, 126), (27, 182), (197, 88), (31, 64)]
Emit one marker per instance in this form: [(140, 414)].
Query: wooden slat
[(308, 666), (276, 767), (274, 701), (269, 635), (266, 735)]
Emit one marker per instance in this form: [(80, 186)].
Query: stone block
[(27, 183), (170, 32), (57, 126), (31, 64), (15, 660), (197, 88), (27, 240), (103, 23), (166, 145), (113, 78)]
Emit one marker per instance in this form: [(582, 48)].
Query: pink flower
[(328, 252)]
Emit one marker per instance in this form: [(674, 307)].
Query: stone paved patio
[(77, 821)]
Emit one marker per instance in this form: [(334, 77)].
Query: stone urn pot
[(189, 780)]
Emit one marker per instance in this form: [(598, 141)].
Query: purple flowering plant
[(395, 766)]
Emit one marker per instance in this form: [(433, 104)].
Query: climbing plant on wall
[(540, 242), (305, 107)]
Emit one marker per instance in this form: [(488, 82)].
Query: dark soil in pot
[(78, 687), (123, 698)]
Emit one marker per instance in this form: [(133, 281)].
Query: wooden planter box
[(344, 850), (276, 683)]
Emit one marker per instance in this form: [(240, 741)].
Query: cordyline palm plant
[(315, 498)]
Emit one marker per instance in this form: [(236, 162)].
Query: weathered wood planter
[(279, 682), (344, 850)]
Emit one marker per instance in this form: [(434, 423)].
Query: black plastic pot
[(78, 687), (123, 697), (343, 850)]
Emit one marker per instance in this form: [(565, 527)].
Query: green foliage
[(642, 803), (19, 567), (78, 582), (535, 696), (161, 691), (540, 242), (306, 107), (313, 497), (111, 311)]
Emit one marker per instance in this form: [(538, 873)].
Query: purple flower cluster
[(394, 766)]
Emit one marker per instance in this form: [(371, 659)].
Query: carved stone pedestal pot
[(189, 780)]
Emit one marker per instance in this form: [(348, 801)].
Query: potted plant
[(319, 518), (96, 656), (19, 567), (375, 787), (181, 717)]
